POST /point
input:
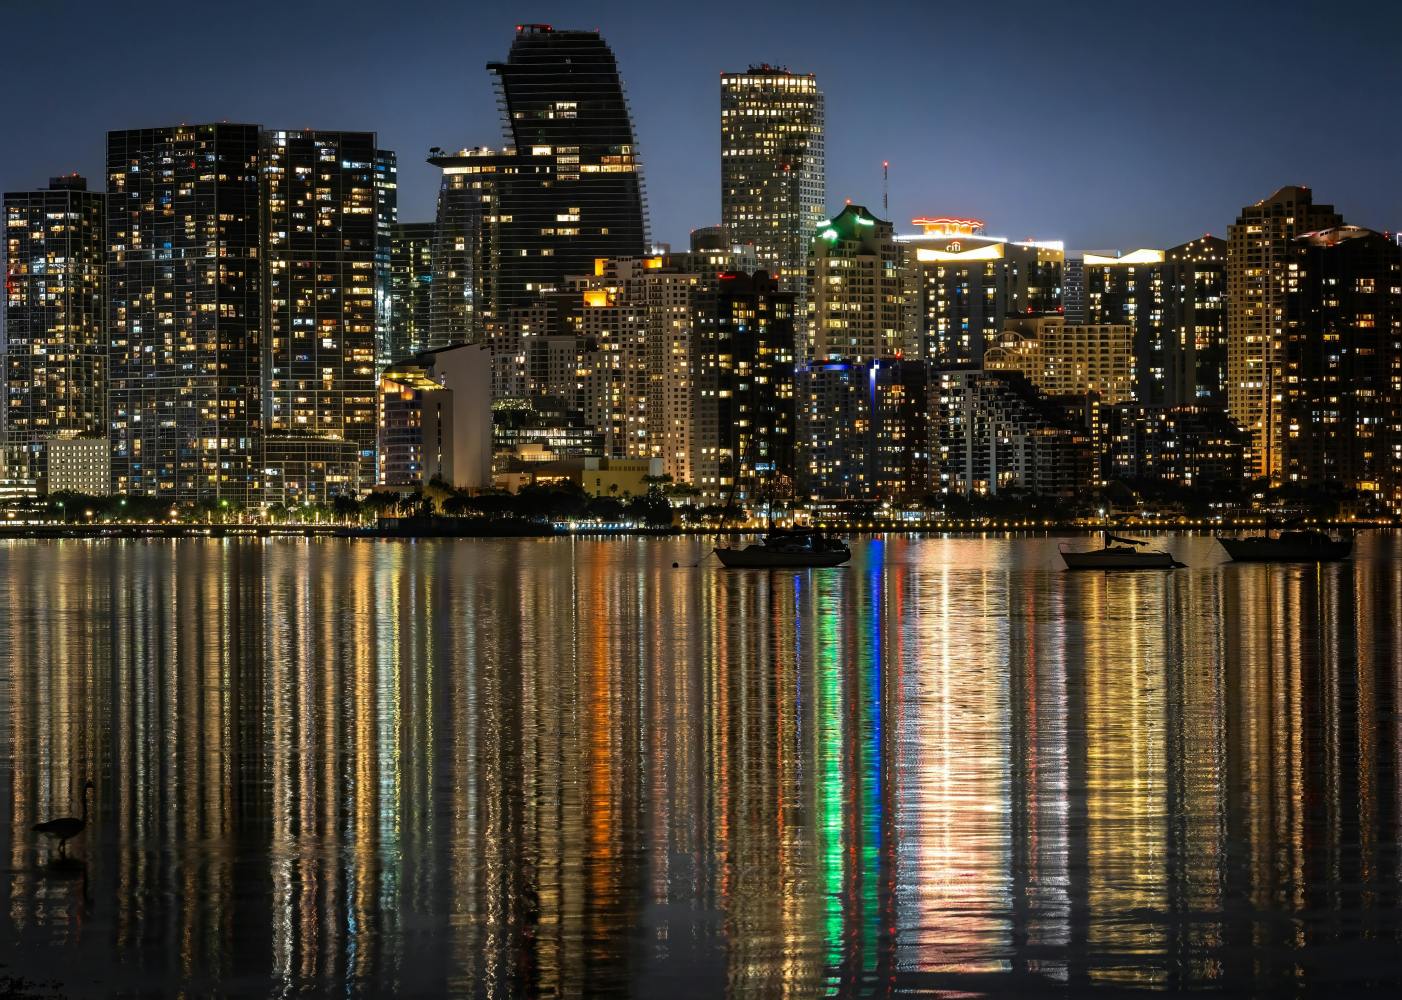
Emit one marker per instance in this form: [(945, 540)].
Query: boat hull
[(1102, 559), (759, 557), (1275, 550)]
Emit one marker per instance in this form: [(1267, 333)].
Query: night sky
[(1107, 126)]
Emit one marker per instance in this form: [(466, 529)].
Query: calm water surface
[(564, 768)]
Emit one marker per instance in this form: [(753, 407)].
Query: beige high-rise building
[(1063, 359), (635, 326), (773, 177), (863, 294), (1261, 271)]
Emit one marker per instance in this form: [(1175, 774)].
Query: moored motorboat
[(1288, 546), (1119, 553), (795, 549)]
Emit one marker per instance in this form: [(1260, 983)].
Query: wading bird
[(65, 828)]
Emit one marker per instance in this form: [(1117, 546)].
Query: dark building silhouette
[(1342, 363), (514, 223), (1185, 446), (576, 193), (744, 345)]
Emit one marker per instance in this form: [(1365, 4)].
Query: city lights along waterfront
[(438, 560), (562, 767)]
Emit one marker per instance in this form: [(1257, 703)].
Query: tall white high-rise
[(773, 181)]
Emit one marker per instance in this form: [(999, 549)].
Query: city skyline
[(256, 290), (1113, 183)]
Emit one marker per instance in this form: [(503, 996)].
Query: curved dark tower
[(576, 193)]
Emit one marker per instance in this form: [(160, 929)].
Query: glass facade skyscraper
[(411, 288), (52, 341), (576, 193), (248, 302), (324, 198), (463, 302), (185, 312), (386, 221)]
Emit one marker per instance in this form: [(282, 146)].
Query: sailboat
[(1299, 545), (793, 548), (783, 548), (1120, 553)]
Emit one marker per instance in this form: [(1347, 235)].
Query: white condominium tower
[(773, 182)]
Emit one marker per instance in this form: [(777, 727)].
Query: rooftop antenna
[(886, 188)]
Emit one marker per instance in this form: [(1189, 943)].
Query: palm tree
[(457, 505), (381, 503), (409, 503), (346, 507)]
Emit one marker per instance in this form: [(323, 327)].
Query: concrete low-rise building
[(435, 417), (599, 477)]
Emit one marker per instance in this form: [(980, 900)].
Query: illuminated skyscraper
[(1260, 251), (52, 336), (576, 193), (968, 283), (773, 174), (411, 288), (566, 190), (324, 203), (863, 302), (1131, 290), (466, 256), (1195, 323), (742, 413), (185, 312)]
